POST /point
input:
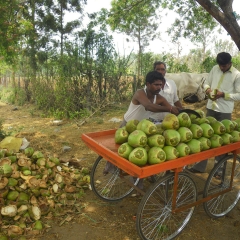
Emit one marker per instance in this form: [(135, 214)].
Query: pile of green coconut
[(33, 186), (143, 142)]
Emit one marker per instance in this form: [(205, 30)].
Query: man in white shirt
[(168, 91), (226, 79)]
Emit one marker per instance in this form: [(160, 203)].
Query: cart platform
[(103, 143)]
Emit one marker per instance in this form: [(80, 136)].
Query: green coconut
[(41, 162), (216, 141), (211, 119), (36, 155), (235, 125), (156, 140), (236, 136), (6, 170), (185, 134), (2, 153), (184, 120), (200, 120), (55, 160), (13, 158), (160, 129), (172, 137), (156, 155), (147, 147), (147, 127), (26, 172), (124, 150), (28, 151), (211, 95), (131, 125), (218, 127), (183, 149), (23, 196), (137, 139), (171, 152), (170, 121), (12, 182), (138, 156), (121, 136), (12, 195), (227, 138), (228, 125), (207, 130), (38, 225), (195, 146), (201, 113), (206, 143), (196, 130)]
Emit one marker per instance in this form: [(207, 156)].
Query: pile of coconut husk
[(32, 187)]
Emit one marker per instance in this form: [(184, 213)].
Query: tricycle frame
[(104, 145)]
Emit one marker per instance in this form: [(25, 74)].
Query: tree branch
[(225, 17)]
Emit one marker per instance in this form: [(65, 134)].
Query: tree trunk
[(225, 17)]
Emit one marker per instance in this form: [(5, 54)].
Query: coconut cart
[(168, 205)]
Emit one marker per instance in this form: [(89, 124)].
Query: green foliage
[(3, 133), (236, 61), (208, 64), (7, 95), (174, 65)]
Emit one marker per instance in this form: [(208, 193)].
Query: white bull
[(188, 84)]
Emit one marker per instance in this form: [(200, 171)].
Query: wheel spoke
[(155, 219), (224, 203)]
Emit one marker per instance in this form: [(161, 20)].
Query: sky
[(159, 45)]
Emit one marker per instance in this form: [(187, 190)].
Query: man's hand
[(219, 94), (175, 110)]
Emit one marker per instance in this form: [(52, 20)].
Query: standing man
[(168, 91), (226, 79)]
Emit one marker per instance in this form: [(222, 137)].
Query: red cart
[(167, 206)]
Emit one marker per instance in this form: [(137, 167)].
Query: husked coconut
[(147, 127), (137, 139), (121, 135), (124, 150), (156, 155), (138, 156), (131, 125), (228, 125), (195, 146), (172, 137), (184, 120), (196, 130), (216, 141), (170, 121), (171, 152), (183, 149)]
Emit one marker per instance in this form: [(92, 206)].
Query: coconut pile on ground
[(33, 186), (143, 142)]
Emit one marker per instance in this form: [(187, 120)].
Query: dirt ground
[(97, 219)]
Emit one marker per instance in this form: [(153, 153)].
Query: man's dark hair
[(223, 58), (158, 63), (154, 76)]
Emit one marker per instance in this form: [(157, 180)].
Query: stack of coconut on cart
[(143, 142)]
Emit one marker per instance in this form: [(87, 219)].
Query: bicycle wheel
[(110, 185), (222, 204), (155, 219)]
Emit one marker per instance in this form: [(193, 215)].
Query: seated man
[(144, 102)]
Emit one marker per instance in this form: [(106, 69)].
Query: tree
[(11, 27), (220, 10), (140, 24)]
